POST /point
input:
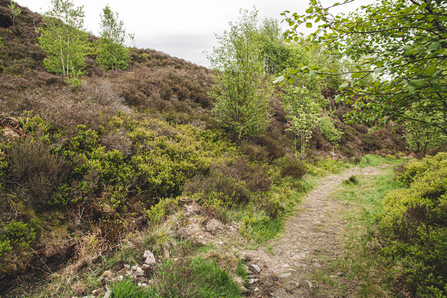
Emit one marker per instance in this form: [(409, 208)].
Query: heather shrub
[(413, 229), (235, 182), (40, 171), (291, 166), (254, 152)]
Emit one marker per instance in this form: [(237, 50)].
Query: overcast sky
[(181, 28)]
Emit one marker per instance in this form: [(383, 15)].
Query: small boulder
[(150, 258), (255, 268)]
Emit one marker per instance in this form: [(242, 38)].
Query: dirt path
[(310, 242)]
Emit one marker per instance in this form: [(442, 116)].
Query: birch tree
[(15, 11), (113, 54), (241, 91), (63, 38), (303, 113)]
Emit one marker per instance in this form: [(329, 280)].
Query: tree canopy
[(400, 47), (112, 54), (241, 91), (63, 38)]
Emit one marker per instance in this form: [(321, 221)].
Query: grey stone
[(255, 268), (285, 275), (309, 284), (127, 266), (298, 264), (139, 272), (213, 226), (317, 265), (108, 294), (252, 281), (340, 273), (150, 258)]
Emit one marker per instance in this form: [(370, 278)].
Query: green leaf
[(434, 46), (411, 89), (279, 80), (338, 98), (293, 71), (417, 83), (356, 75), (310, 10), (430, 70), (343, 86), (308, 25), (379, 69)]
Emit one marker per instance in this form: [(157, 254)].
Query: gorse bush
[(413, 226), (153, 159)]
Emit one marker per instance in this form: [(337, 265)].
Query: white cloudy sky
[(181, 28)]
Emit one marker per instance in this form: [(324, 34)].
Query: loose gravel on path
[(310, 241)]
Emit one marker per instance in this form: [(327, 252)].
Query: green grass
[(195, 278), (376, 160), (359, 263)]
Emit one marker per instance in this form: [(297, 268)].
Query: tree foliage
[(63, 38), (112, 54), (15, 11), (421, 137), (241, 91), (303, 112), (401, 43)]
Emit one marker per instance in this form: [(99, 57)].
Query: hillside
[(86, 170)]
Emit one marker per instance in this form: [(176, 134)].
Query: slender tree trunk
[(62, 56), (68, 54)]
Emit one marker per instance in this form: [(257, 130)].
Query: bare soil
[(310, 242)]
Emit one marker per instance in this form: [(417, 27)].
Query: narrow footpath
[(310, 241)]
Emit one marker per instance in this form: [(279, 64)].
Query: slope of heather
[(129, 148)]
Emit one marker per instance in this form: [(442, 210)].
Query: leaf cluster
[(399, 47)]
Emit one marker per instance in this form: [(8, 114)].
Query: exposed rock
[(108, 294), (252, 281), (190, 210), (213, 226), (150, 258), (107, 273), (255, 268), (285, 275), (139, 272), (317, 265), (9, 132), (298, 264), (309, 284)]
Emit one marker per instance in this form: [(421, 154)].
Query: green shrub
[(330, 132), (413, 226), (351, 180), (324, 166), (15, 236)]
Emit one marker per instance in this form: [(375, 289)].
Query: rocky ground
[(310, 242)]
